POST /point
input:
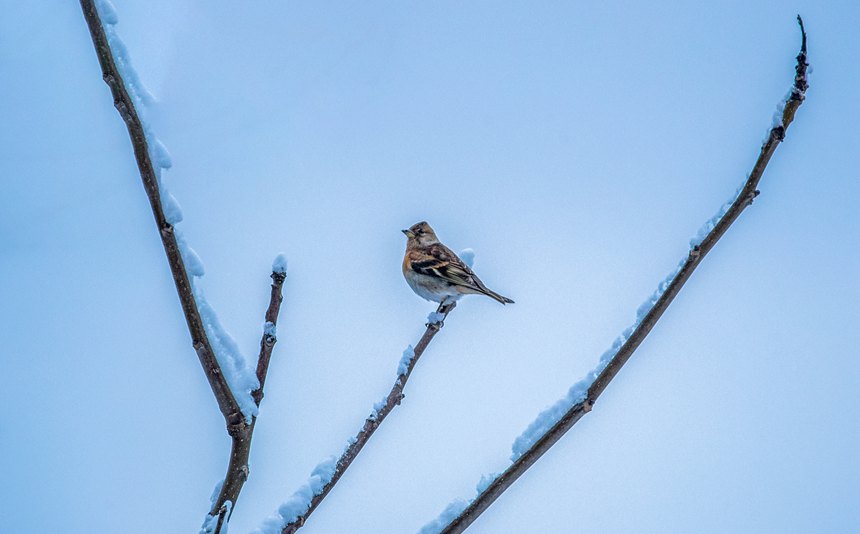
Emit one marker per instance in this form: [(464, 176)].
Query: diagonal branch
[(380, 412), (239, 428), (125, 105), (744, 198)]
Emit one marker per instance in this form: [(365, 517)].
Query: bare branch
[(239, 429), (267, 343), (240, 450), (376, 417), (697, 253)]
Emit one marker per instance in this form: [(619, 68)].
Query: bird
[(435, 273)]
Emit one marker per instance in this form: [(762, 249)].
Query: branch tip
[(801, 84), (645, 323), (279, 265), (802, 33)]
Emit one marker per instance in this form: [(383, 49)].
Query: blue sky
[(576, 147)]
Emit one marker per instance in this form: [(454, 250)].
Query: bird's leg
[(437, 318)]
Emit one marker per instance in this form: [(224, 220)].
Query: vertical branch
[(240, 450), (744, 199), (267, 343)]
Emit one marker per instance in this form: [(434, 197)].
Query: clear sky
[(575, 146)]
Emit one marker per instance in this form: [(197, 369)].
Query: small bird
[(435, 273)]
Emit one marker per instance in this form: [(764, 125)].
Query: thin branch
[(125, 105), (267, 343), (240, 450), (697, 253), (238, 428), (375, 419)]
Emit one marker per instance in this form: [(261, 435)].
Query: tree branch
[(376, 417), (697, 253), (240, 450), (270, 337), (125, 105), (239, 429)]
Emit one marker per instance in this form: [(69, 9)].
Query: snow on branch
[(240, 450), (236, 385), (129, 99), (554, 422), (293, 514)]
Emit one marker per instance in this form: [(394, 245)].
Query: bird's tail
[(492, 294), (481, 288)]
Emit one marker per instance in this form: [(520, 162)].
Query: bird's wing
[(439, 261)]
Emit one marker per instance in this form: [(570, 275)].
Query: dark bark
[(744, 199), (125, 105), (375, 419), (239, 429), (240, 450)]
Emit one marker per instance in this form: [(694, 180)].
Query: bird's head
[(420, 234)]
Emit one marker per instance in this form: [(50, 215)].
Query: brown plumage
[(435, 273)]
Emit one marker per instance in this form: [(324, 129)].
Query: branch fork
[(238, 427)]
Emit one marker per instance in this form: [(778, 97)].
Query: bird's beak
[(408, 233)]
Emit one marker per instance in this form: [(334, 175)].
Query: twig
[(267, 343), (238, 428), (375, 419), (237, 470), (697, 253)]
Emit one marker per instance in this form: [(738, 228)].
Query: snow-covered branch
[(240, 450), (126, 92), (292, 515), (238, 389), (554, 422)]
